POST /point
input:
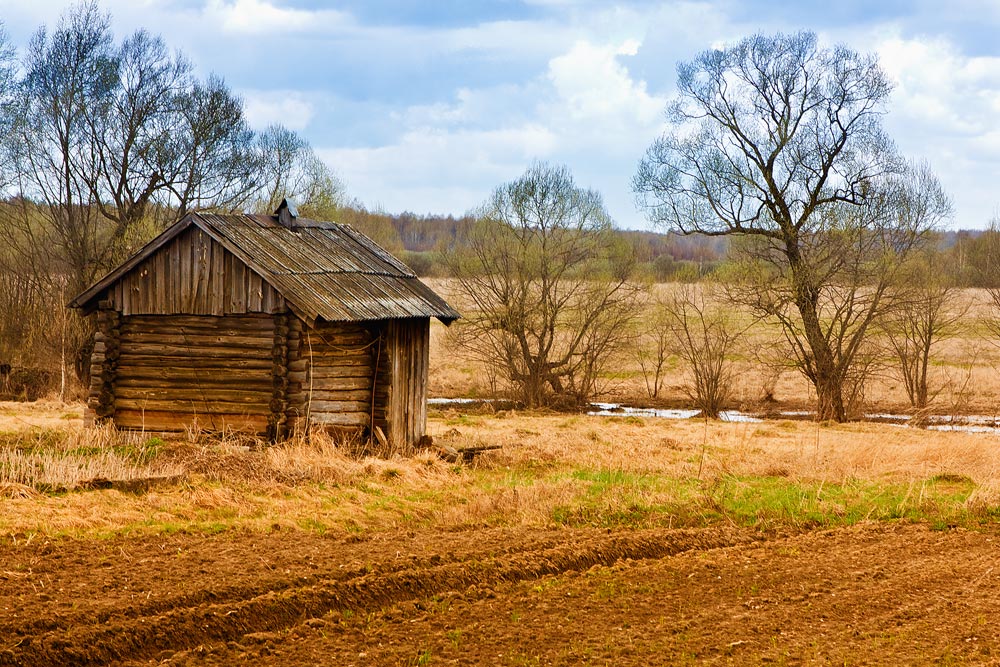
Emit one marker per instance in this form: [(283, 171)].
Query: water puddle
[(953, 423), (619, 410)]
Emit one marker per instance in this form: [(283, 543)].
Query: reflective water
[(962, 423)]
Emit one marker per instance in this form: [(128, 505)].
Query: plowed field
[(896, 594)]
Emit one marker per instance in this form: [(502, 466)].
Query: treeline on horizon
[(421, 239)]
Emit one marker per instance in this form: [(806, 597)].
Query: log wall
[(218, 373), (104, 364), (332, 378), (193, 275), (359, 376)]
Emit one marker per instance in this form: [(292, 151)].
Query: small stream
[(960, 423)]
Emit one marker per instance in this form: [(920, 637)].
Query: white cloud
[(593, 85), (586, 110), (256, 17), (433, 169), (287, 107), (944, 109)]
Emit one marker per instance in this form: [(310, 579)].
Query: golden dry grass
[(552, 469), (964, 374)]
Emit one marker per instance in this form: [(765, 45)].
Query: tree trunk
[(825, 376)]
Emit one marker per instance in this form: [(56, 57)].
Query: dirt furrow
[(125, 635)]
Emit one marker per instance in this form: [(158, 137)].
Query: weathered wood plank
[(321, 359), (182, 394), (249, 322), (339, 406), (129, 347), (200, 340), (341, 383), (361, 397), (158, 420), (191, 407), (217, 289), (150, 381), (339, 419), (136, 362)]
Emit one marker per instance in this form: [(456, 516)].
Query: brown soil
[(869, 595)]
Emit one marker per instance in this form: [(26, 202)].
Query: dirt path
[(873, 595)]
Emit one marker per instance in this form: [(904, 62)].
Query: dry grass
[(552, 469), (68, 456), (964, 370)]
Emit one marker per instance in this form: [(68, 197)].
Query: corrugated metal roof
[(326, 270)]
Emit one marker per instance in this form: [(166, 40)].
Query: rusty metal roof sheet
[(324, 269)]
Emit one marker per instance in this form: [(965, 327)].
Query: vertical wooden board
[(236, 287), (119, 296), (219, 279), (255, 287), (187, 273), (406, 407), (142, 276), (201, 281), (206, 264), (175, 266), (159, 283)]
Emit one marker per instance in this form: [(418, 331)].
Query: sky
[(428, 106)]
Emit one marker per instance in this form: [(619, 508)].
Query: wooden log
[(335, 360), (159, 420), (339, 419), (255, 384), (132, 362), (340, 406), (341, 371), (183, 394), (248, 321), (219, 375), (220, 339), (303, 393), (340, 383), (361, 397), (340, 339), (149, 349), (193, 407)]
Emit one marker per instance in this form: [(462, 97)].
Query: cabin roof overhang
[(324, 270)]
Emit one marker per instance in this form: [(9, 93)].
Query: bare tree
[(102, 144), (131, 135), (928, 311), (290, 168), (212, 160), (706, 333), (652, 347), (780, 142), (547, 283), (69, 74)]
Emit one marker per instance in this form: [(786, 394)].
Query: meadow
[(603, 539)]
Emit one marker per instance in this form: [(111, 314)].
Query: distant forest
[(420, 239)]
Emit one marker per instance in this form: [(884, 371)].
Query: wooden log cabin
[(262, 323)]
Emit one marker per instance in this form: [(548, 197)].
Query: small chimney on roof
[(286, 213)]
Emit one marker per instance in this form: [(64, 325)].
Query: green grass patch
[(766, 502)]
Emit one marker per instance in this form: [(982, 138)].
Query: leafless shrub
[(548, 287), (705, 334), (927, 311)]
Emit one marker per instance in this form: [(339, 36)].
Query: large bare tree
[(547, 287), (779, 141)]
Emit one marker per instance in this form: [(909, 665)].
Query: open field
[(964, 375), (583, 540)]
